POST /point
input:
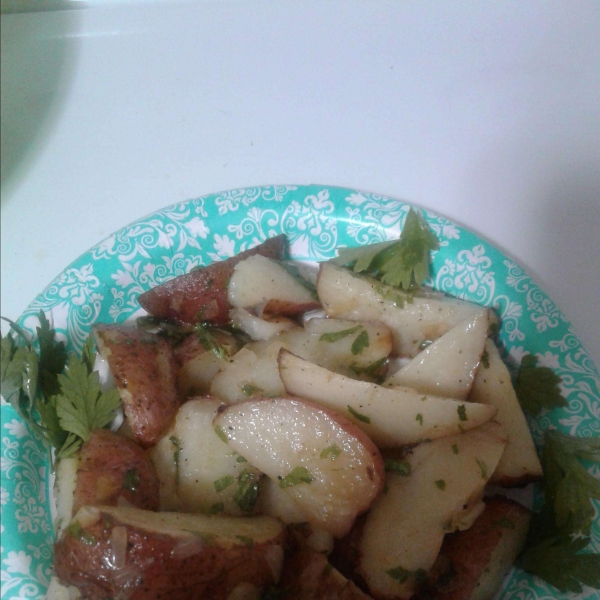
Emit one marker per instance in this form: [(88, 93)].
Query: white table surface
[(488, 113)]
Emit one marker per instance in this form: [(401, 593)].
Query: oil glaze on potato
[(139, 555), (113, 468), (392, 418), (202, 294), (322, 460), (143, 367)]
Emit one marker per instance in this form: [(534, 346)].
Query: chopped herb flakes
[(334, 336), (223, 483), (333, 451), (482, 467), (208, 340), (221, 434), (248, 541), (246, 493), (360, 343), (419, 418), (455, 448), (297, 476), (131, 481), (440, 484), (402, 575), (357, 415), (485, 359), (251, 390), (462, 412), (396, 465), (216, 509), (76, 530)]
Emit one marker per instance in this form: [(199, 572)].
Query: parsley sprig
[(57, 393), (403, 263), (559, 532), (537, 387)]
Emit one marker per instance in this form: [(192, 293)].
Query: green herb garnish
[(131, 481), (298, 475), (207, 339), (334, 451), (246, 493), (462, 412), (395, 465), (403, 263), (440, 484), (537, 387), (334, 336), (360, 343), (223, 483), (357, 415)]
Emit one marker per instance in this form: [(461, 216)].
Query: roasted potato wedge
[(519, 464), (202, 294), (323, 461), (391, 417), (439, 490), (413, 319), (198, 364), (308, 575), (448, 366), (109, 552), (477, 560), (112, 469), (263, 282), (143, 367)]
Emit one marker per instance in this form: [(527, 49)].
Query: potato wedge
[(345, 347), (64, 490), (323, 461), (443, 491), (519, 464), (209, 476), (109, 552), (276, 287), (261, 328), (113, 469), (308, 575), (413, 320), (143, 367), (480, 557), (447, 367), (391, 418), (198, 364), (203, 291)]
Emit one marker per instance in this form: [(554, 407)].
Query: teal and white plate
[(104, 283)]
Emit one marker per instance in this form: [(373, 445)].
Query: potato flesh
[(258, 279), (280, 435), (406, 526), (447, 367), (256, 364), (64, 490), (207, 470), (260, 328), (493, 386), (391, 418), (347, 296)]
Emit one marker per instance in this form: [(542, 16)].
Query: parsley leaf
[(557, 561), (223, 483), (360, 343), (334, 336), (396, 465), (208, 341), (246, 493), (298, 475), (81, 406), (334, 450), (537, 387), (403, 263), (357, 415), (53, 357)]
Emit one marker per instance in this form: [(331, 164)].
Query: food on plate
[(473, 562), (324, 462), (273, 286), (143, 367), (264, 436), (201, 294), (113, 552), (391, 417), (446, 367), (519, 463), (437, 488), (198, 472), (113, 470)]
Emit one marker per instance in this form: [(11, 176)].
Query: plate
[(104, 283)]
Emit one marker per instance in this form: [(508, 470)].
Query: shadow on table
[(38, 57)]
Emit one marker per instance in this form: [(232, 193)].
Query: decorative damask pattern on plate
[(104, 283)]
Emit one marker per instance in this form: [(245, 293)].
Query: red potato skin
[(184, 297), (288, 309), (151, 570), (465, 554), (104, 462), (144, 370)]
